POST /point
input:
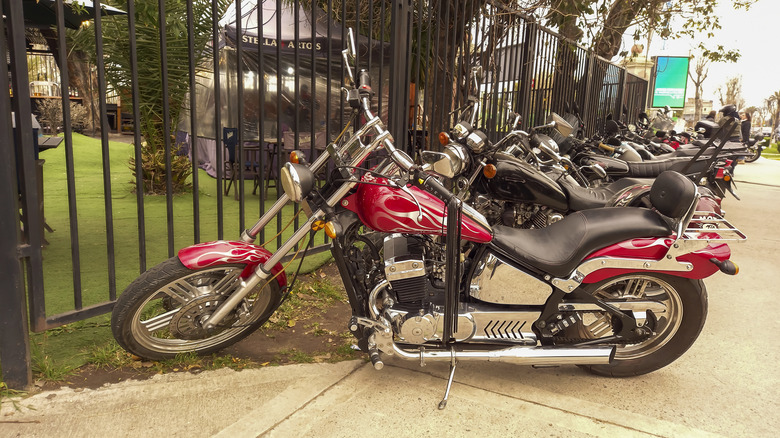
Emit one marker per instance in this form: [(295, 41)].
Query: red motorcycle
[(618, 291)]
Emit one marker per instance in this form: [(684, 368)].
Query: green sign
[(671, 81)]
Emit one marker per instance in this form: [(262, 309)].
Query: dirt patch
[(314, 331)]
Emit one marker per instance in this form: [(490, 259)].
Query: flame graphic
[(208, 254)]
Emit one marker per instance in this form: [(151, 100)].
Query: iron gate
[(267, 80)]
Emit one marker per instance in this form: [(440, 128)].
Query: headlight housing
[(476, 141), (449, 163), (297, 181), (461, 130)]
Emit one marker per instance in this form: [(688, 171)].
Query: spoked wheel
[(163, 312), (756, 151), (676, 310)]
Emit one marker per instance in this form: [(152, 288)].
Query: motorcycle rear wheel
[(756, 154), (161, 313), (676, 329)]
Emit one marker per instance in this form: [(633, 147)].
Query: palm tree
[(116, 47)]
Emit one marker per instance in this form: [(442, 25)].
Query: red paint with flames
[(221, 252)]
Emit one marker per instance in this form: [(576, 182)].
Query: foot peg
[(376, 360)]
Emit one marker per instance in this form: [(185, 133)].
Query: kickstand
[(443, 402)]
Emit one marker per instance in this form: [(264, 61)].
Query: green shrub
[(51, 115), (154, 174)]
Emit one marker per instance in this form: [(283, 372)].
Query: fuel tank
[(518, 181), (612, 166), (391, 210)]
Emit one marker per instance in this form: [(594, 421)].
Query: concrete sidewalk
[(726, 385)]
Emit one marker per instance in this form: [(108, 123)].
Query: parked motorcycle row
[(528, 250), (533, 179)]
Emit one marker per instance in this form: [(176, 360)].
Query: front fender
[(223, 252)]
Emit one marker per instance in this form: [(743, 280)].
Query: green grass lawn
[(772, 152), (92, 228), (69, 346)]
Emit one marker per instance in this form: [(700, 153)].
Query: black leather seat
[(694, 148), (584, 198), (651, 169), (561, 247)]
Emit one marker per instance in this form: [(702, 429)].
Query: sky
[(754, 33)]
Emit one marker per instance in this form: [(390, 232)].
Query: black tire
[(676, 330), (158, 315), (756, 154)]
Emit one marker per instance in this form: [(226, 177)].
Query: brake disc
[(188, 322)]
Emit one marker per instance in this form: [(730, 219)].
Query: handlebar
[(420, 177)]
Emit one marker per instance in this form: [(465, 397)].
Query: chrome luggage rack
[(707, 225)]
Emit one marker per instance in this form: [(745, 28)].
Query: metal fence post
[(527, 70), (621, 92), (399, 73), (14, 334)]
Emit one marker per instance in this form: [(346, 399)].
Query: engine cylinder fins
[(410, 290)]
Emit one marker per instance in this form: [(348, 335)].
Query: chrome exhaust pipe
[(540, 356)]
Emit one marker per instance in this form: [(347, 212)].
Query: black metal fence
[(267, 79)]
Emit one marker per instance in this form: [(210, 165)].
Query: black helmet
[(730, 110)]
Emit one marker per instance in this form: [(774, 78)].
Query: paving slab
[(175, 405), (486, 400)]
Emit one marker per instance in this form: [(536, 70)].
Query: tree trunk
[(621, 16), (82, 79), (697, 104)]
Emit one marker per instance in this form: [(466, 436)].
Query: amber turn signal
[(332, 229), (317, 225), (298, 157), (726, 266), (727, 178), (444, 138), (489, 171)]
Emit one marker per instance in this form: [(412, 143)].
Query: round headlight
[(550, 143), (476, 141), (297, 181), (459, 157), (449, 163), (461, 130)]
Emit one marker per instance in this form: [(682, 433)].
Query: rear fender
[(223, 252), (638, 196), (654, 250)]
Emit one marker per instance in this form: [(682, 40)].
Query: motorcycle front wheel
[(163, 312), (684, 309)]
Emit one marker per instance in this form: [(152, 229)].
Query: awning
[(42, 13)]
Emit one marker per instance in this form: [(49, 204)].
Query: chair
[(233, 163), (229, 141), (270, 174), (252, 153)]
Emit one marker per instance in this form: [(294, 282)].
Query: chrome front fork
[(261, 273)]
